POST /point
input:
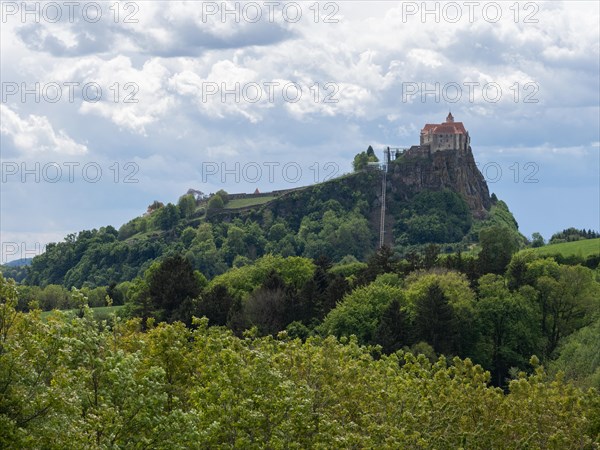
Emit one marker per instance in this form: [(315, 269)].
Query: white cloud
[(228, 89), (36, 135), (547, 151), (131, 98), (222, 151)]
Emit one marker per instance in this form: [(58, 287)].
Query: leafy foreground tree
[(68, 383), (579, 356)]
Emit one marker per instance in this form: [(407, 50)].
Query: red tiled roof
[(444, 128), (460, 128)]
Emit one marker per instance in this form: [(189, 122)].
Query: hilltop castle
[(436, 137), (443, 160), (449, 135)]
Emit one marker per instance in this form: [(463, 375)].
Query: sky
[(108, 106)]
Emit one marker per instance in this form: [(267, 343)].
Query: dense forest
[(497, 308), (299, 352), (331, 218), (75, 383), (281, 325)]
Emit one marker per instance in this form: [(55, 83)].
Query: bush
[(215, 202)]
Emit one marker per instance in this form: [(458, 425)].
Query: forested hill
[(441, 199)]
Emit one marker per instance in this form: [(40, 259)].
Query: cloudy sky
[(108, 106)]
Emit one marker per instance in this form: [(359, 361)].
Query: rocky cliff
[(451, 169)]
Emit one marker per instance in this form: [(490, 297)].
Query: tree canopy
[(72, 384)]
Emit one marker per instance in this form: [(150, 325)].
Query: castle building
[(449, 135)]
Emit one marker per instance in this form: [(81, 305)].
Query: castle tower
[(449, 118)]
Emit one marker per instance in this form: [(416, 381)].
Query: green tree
[(430, 256), (518, 273), (578, 356), (215, 202), (28, 297), (278, 231), (95, 297), (507, 323), (433, 217), (394, 329), (435, 321), (186, 205), (268, 307), (384, 260), (167, 217), (235, 244), (173, 287), (54, 296), (362, 159), (572, 234), (537, 240), (456, 288), (187, 236), (498, 244), (215, 304), (115, 293), (139, 301), (336, 289), (204, 254), (360, 312), (294, 271), (224, 195), (567, 302)]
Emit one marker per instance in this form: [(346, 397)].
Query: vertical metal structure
[(386, 162)]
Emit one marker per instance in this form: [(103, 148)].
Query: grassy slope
[(245, 202), (582, 248)]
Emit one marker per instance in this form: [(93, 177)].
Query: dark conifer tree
[(171, 286), (216, 304), (435, 321), (394, 329)]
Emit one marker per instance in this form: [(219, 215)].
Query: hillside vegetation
[(335, 219), (176, 387)]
